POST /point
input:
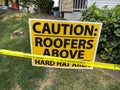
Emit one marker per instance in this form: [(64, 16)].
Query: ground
[(113, 73), (19, 74)]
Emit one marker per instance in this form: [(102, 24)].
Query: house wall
[(73, 16), (66, 7), (102, 3)]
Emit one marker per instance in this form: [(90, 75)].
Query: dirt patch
[(17, 15), (113, 73), (49, 79), (17, 33), (17, 87), (2, 12)]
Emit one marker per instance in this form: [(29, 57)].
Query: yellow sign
[(65, 39)]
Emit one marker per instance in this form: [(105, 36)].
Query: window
[(79, 4)]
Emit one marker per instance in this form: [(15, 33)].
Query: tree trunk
[(17, 2), (6, 2)]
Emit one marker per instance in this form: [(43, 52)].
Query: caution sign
[(64, 39)]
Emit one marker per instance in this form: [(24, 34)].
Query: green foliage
[(56, 9), (45, 6), (109, 45)]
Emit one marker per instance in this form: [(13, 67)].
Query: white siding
[(102, 3)]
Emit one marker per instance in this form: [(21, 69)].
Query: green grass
[(84, 80), (19, 71), (15, 70)]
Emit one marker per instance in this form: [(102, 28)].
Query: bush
[(45, 6), (109, 45)]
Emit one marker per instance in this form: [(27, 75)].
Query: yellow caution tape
[(85, 63)]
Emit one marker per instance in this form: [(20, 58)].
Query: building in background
[(70, 9)]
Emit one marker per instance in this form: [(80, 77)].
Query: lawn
[(19, 74)]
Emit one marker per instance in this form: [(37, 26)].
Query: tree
[(44, 6)]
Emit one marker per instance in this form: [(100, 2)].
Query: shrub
[(109, 45)]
